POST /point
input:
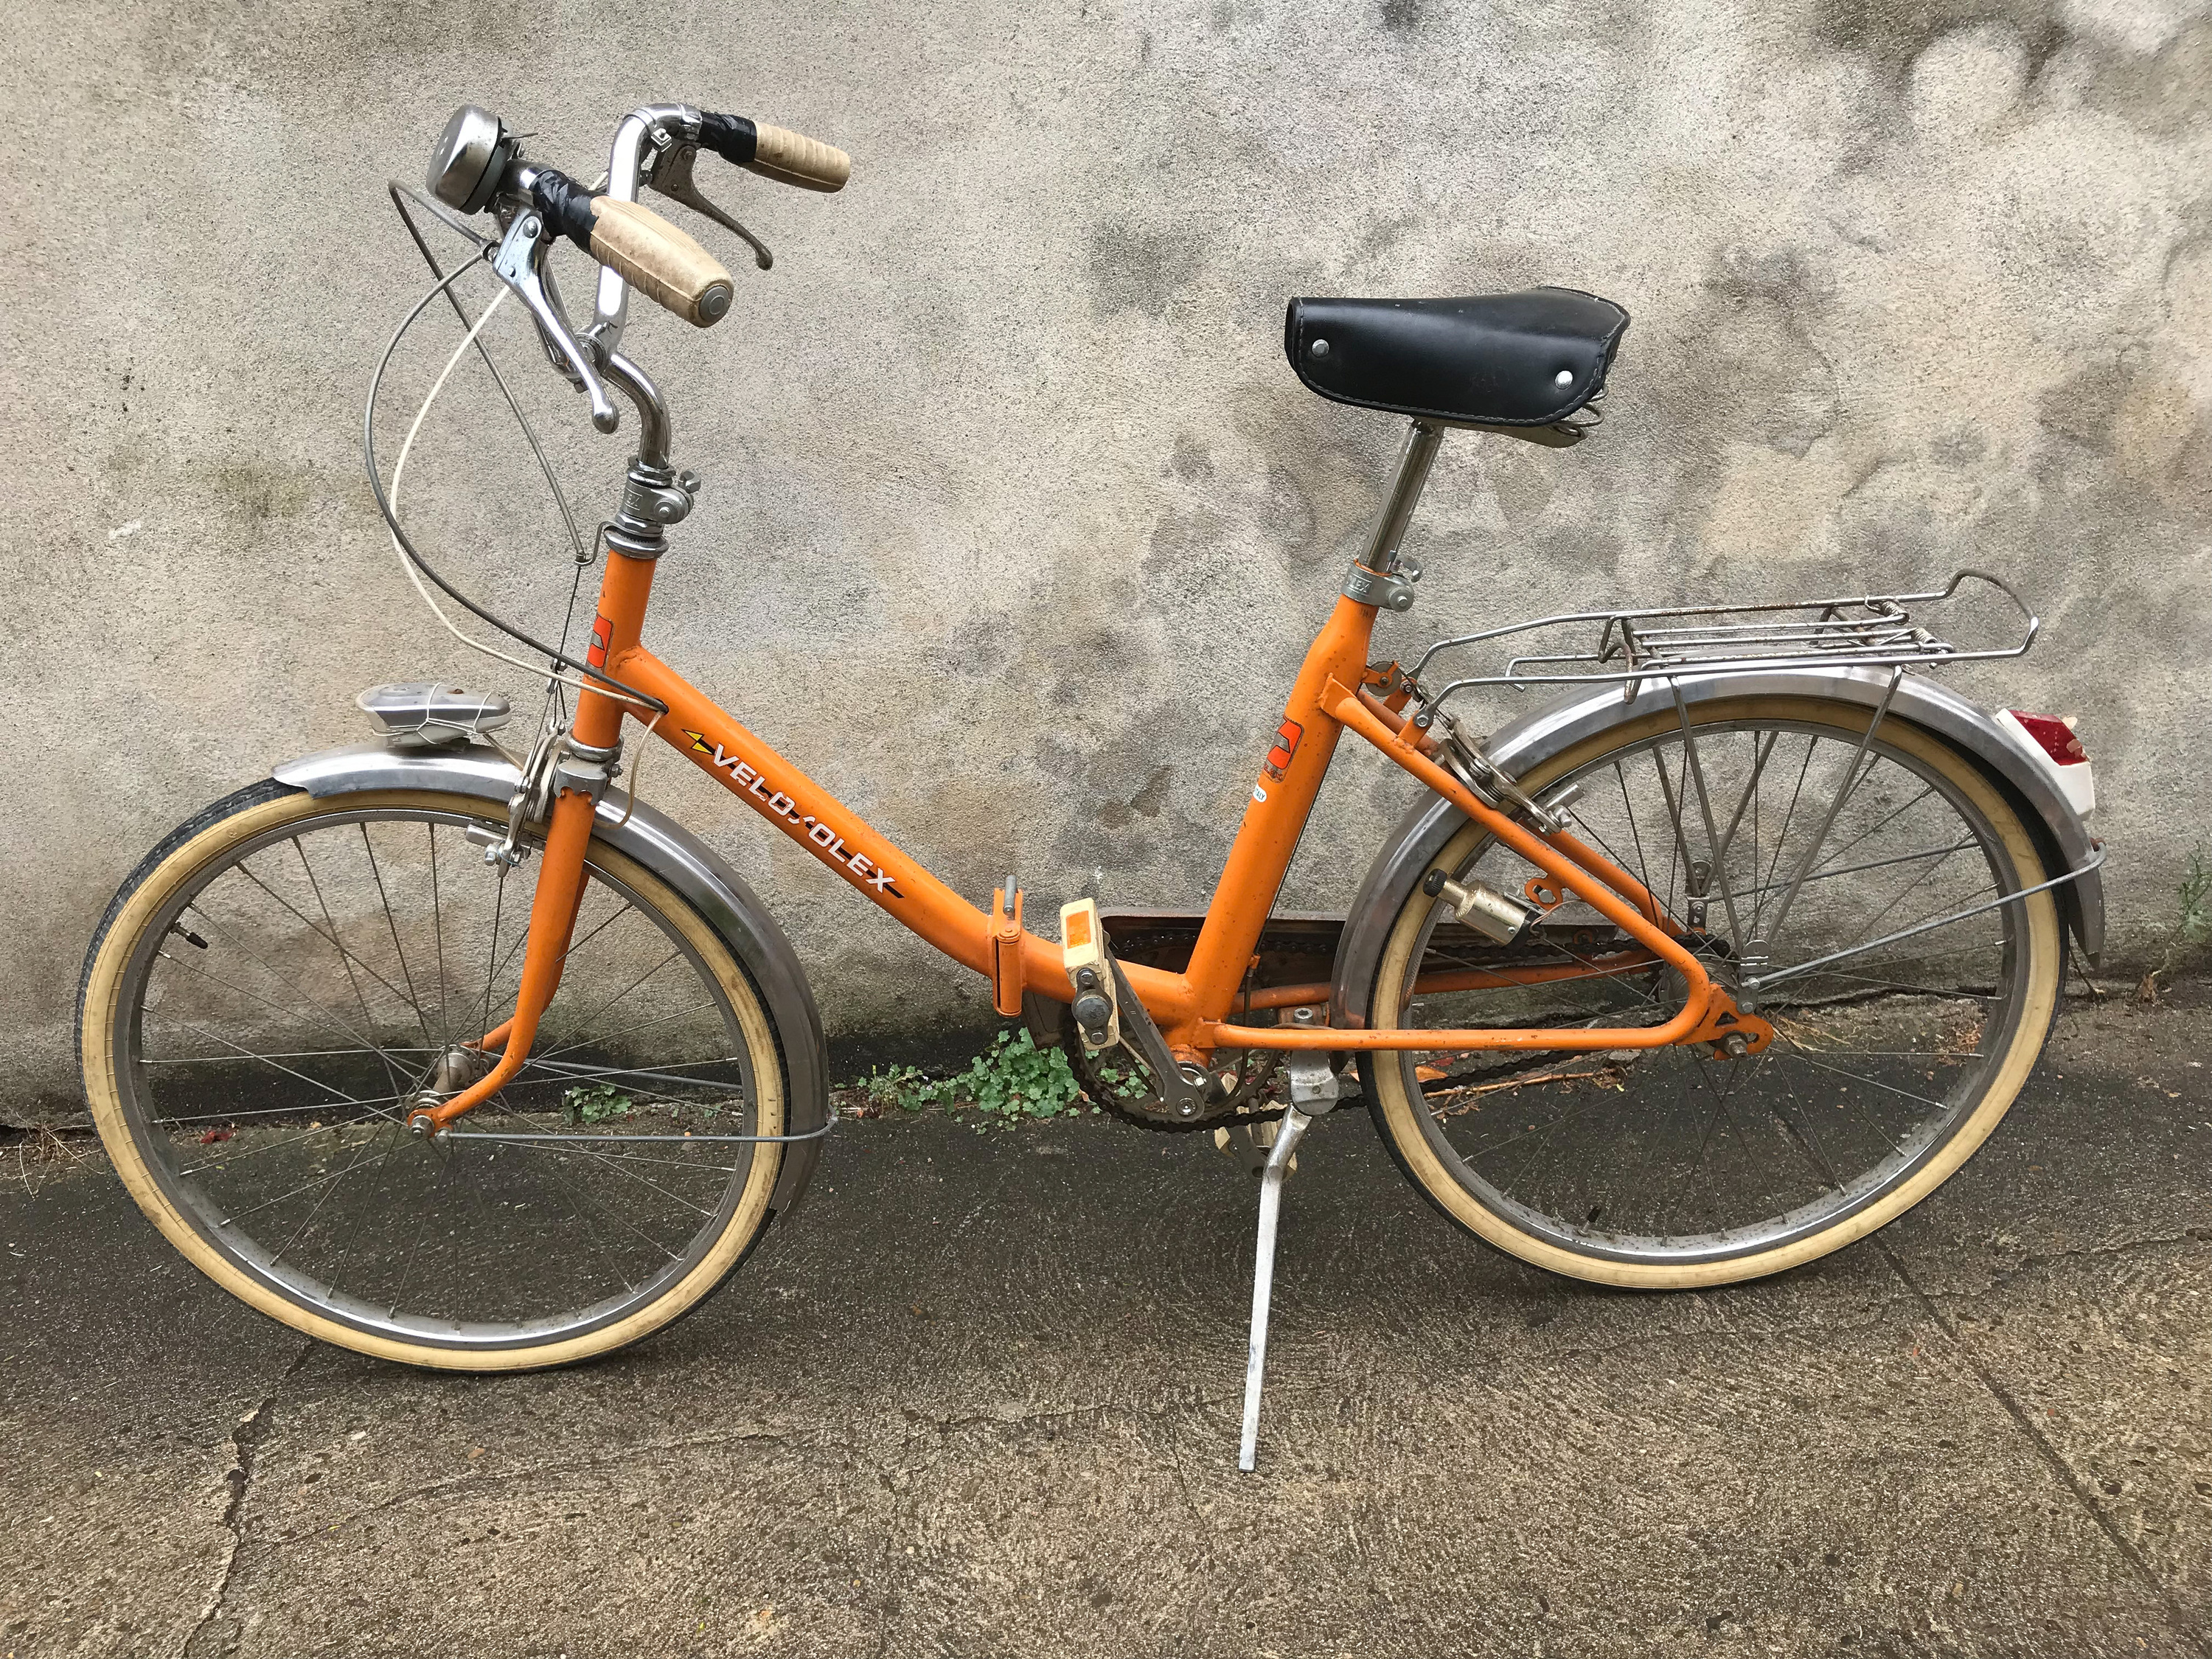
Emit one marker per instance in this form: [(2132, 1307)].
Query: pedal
[(1091, 970), (1109, 1013), (1009, 979), (1248, 1145)]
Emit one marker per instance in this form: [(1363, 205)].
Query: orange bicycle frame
[(1191, 1008)]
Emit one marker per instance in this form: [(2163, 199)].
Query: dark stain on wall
[(2167, 95), (1136, 268), (258, 491), (1745, 366), (1893, 33)]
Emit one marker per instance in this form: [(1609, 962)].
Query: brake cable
[(607, 684)]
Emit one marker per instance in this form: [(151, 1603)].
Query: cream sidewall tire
[(103, 990), (2043, 953)]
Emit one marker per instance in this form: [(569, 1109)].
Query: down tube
[(750, 768)]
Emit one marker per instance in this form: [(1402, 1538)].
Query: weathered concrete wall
[(1017, 521)]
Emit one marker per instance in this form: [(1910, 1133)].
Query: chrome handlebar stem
[(654, 437), (661, 127), (651, 140)]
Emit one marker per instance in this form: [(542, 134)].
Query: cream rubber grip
[(793, 158), (660, 261)]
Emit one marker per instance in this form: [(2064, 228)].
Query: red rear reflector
[(2053, 736)]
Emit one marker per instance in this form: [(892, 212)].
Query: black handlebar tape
[(566, 204), (733, 137)]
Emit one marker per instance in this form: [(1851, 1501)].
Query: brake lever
[(671, 176), (519, 263)]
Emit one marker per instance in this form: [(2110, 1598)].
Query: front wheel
[(284, 976), (1774, 838)]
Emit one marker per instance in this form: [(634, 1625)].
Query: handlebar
[(663, 263), (777, 153), (478, 166)]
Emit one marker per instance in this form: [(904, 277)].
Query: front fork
[(581, 764), (552, 920)]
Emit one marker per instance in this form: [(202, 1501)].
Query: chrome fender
[(2061, 837), (672, 854)]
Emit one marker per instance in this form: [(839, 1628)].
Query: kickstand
[(1319, 1095)]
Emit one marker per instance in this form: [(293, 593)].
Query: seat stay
[(1611, 892)]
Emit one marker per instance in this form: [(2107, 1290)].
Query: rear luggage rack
[(1682, 641)]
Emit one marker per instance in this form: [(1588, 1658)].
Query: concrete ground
[(981, 1397)]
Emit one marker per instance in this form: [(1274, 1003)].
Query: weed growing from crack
[(1012, 1081), (596, 1102), (2192, 927), (2195, 893)]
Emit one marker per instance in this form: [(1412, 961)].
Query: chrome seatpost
[(1382, 576)]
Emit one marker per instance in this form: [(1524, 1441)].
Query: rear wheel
[(1677, 1166), (284, 975)]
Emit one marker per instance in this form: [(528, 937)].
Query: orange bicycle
[(473, 1060)]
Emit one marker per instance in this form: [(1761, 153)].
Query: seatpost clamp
[(1387, 590)]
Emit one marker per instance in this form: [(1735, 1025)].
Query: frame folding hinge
[(1008, 981)]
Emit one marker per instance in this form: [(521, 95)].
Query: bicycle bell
[(470, 159)]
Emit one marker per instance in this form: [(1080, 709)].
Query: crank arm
[(1109, 1013)]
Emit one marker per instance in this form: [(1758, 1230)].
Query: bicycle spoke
[(393, 925), (438, 931), (308, 1173), (1682, 1150)]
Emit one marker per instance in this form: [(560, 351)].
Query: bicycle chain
[(1231, 1110)]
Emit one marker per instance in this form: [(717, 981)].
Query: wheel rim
[(285, 1000), (1675, 1157)]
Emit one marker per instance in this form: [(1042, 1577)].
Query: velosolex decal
[(827, 841)]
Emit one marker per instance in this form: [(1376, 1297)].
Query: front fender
[(2061, 837), (672, 854)]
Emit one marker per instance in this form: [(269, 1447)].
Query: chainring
[(1143, 1106)]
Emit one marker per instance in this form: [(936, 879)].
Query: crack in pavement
[(206, 1640), (2033, 1260), (476, 1479), (479, 1481), (2177, 1617), (1883, 1311)]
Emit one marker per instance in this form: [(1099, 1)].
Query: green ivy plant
[(596, 1102), (1009, 1082)]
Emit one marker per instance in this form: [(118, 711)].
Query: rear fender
[(2061, 837), (672, 854)]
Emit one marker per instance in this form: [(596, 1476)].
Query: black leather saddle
[(1529, 359)]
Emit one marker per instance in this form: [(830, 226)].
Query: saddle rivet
[(1565, 377), (1319, 348)]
